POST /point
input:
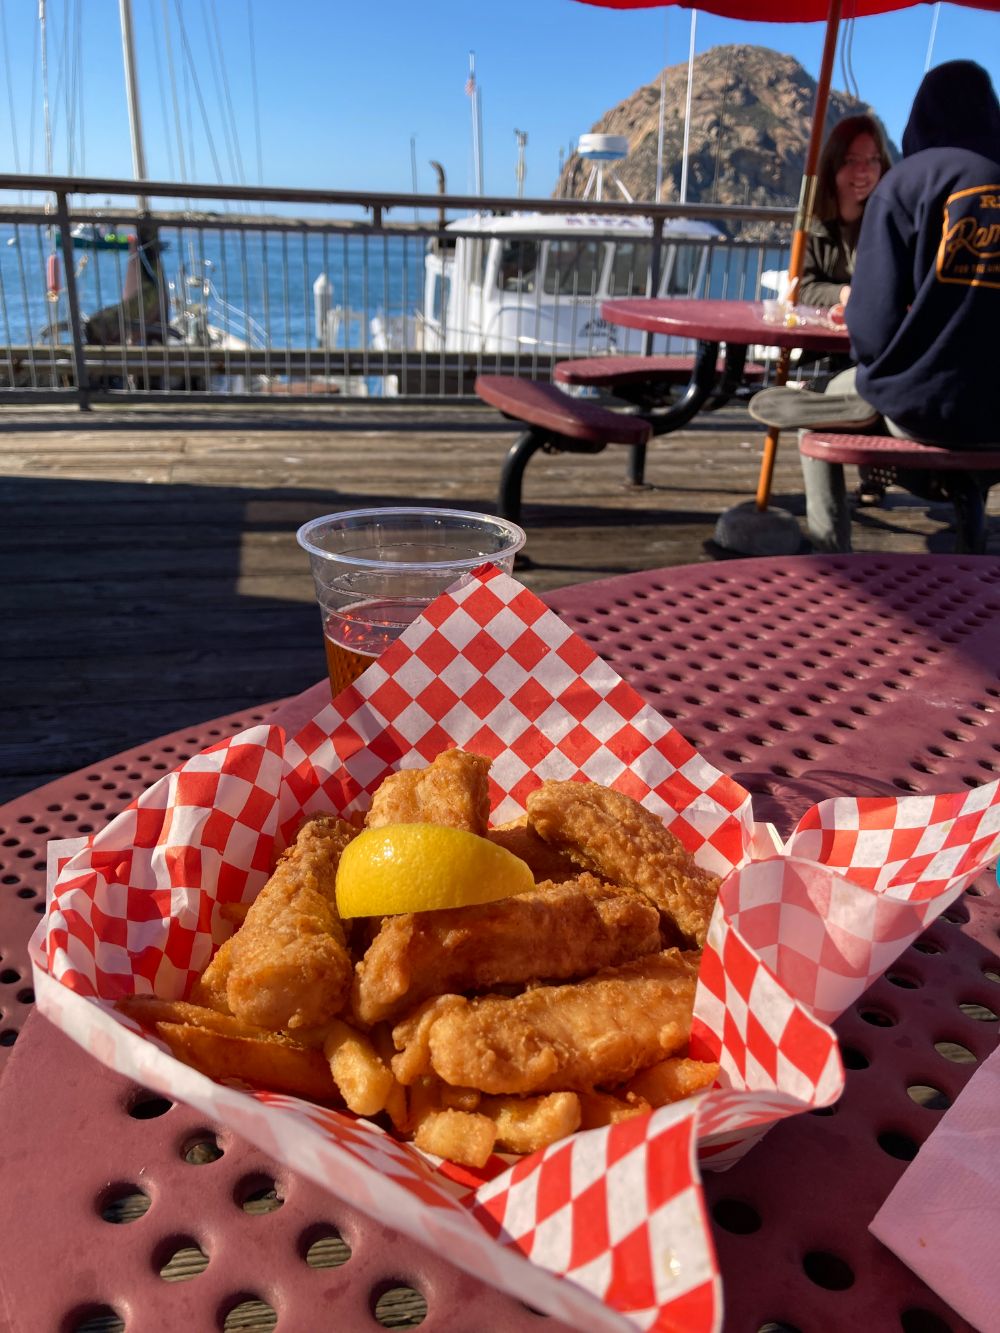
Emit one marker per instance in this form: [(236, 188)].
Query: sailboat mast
[(687, 112), (472, 90), (132, 93)]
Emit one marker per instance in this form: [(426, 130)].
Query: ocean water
[(261, 283), (266, 276)]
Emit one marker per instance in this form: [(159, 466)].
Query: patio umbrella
[(794, 11)]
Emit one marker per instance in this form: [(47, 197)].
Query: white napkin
[(943, 1217)]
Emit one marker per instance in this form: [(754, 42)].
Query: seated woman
[(853, 161)]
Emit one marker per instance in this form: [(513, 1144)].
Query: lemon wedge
[(424, 867)]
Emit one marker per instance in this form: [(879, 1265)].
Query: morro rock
[(750, 115)]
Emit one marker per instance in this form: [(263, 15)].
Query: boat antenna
[(519, 171), (132, 93), (46, 116), (687, 111), (413, 169), (472, 92)]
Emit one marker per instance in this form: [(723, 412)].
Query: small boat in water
[(93, 236)]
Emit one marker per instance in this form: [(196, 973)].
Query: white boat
[(534, 282)]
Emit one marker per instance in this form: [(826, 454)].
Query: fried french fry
[(422, 1097), (460, 1099), (311, 1037), (396, 1107), (461, 1136), (364, 1079), (524, 1124), (601, 1108), (672, 1079), (150, 1010), (271, 1062), (210, 988)]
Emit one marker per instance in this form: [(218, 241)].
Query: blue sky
[(342, 86)]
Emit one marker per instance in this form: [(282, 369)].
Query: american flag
[(470, 85)]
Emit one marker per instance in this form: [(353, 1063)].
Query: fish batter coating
[(620, 840), (545, 862), (453, 790), (289, 966), (552, 932), (594, 1033)]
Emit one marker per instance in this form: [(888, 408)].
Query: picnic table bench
[(924, 468), (558, 422)]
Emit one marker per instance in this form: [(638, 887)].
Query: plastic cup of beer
[(376, 570)]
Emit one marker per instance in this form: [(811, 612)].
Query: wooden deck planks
[(152, 580)]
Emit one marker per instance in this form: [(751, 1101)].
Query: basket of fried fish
[(476, 989)]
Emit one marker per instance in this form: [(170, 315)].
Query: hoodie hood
[(955, 107)]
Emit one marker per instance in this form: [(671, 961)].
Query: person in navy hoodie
[(924, 310)]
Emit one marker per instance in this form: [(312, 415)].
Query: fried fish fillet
[(594, 1033), (618, 839), (453, 790), (289, 966), (522, 841), (552, 932)]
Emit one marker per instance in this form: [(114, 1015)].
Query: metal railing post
[(79, 360), (655, 261)]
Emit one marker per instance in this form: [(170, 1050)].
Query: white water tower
[(600, 149)]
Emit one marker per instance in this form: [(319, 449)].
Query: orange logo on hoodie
[(969, 252)]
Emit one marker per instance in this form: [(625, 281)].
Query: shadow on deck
[(153, 578)]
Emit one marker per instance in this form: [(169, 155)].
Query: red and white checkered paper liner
[(796, 938)]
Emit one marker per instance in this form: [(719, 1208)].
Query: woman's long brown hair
[(838, 141)]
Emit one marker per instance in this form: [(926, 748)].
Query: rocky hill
[(750, 116)]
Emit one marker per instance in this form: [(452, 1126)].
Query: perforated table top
[(803, 678)]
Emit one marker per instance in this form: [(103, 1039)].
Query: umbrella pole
[(803, 215)]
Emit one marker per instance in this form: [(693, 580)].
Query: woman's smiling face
[(858, 176)]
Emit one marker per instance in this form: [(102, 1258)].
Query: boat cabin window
[(440, 297), (476, 254), (682, 272), (630, 268), (518, 266), (573, 268)]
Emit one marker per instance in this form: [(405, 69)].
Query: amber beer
[(343, 666), (377, 570), (355, 635)]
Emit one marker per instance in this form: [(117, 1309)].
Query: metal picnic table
[(738, 324), (804, 679)]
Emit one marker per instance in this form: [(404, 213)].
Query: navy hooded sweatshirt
[(924, 313)]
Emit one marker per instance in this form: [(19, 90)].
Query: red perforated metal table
[(740, 322), (804, 678)]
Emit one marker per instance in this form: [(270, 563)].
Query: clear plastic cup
[(375, 571), (773, 310)]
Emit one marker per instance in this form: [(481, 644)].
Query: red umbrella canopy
[(784, 11)]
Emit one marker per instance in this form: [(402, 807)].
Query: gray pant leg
[(844, 382), (828, 517)]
